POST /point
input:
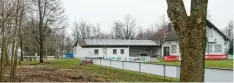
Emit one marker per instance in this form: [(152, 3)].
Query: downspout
[(151, 54), (129, 51)]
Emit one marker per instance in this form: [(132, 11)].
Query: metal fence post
[(164, 71), (122, 64), (110, 63), (100, 61), (139, 66)]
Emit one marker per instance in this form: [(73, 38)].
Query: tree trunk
[(191, 31), (2, 52), (41, 51), (15, 61), (12, 60), (41, 35)]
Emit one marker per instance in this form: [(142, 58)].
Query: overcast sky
[(146, 12)]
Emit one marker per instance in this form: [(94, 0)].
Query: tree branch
[(177, 14)]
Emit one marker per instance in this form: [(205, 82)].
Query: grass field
[(208, 63), (106, 73)]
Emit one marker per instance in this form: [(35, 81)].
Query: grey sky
[(146, 12)]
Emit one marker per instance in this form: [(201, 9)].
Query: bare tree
[(125, 29), (162, 22), (68, 44), (192, 36), (140, 34), (96, 32), (51, 18), (118, 30), (85, 30), (229, 30), (11, 15), (229, 33)]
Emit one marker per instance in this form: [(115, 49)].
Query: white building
[(107, 48), (217, 43), (162, 43)]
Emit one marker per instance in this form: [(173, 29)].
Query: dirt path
[(40, 73)]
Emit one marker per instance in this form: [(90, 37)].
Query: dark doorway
[(166, 51)]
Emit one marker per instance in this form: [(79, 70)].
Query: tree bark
[(41, 51), (12, 61), (41, 39), (191, 31), (2, 51)]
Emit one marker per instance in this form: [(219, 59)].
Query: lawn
[(208, 63), (106, 73)]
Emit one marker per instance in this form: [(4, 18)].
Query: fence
[(135, 59), (230, 56), (36, 58), (211, 74)]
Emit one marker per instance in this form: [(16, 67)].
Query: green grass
[(208, 63), (111, 74)]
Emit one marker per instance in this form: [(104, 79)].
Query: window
[(173, 48), (96, 51), (122, 51), (114, 51), (209, 48), (218, 48)]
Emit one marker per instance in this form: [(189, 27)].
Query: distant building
[(217, 42), (163, 43), (122, 48)]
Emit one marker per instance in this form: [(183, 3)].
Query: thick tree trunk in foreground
[(191, 31)]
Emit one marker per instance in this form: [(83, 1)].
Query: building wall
[(156, 51), (169, 44), (110, 51), (89, 51), (74, 51), (219, 41), (216, 36), (137, 51)]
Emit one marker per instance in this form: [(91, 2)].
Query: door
[(105, 52), (166, 51)]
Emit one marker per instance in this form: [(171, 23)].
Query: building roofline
[(211, 25)]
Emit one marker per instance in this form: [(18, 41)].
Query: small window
[(122, 51), (114, 51), (96, 51), (218, 48), (209, 49), (173, 48)]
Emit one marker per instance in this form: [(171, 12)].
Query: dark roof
[(81, 43), (75, 44), (159, 35), (171, 35)]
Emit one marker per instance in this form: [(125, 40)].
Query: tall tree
[(229, 33), (162, 22), (51, 18), (10, 22), (84, 30), (125, 29), (229, 30), (191, 31), (68, 44)]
